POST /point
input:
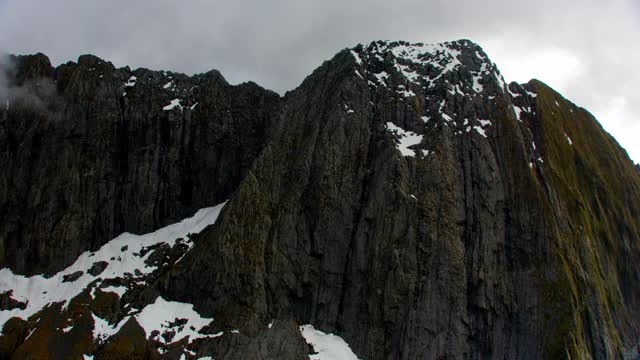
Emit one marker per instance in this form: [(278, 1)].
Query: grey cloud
[(277, 43), (34, 93)]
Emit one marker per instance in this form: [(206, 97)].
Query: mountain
[(403, 202)]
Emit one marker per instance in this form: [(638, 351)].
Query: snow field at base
[(162, 315), (124, 259), (326, 346)]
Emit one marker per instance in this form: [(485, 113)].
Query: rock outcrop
[(403, 197)]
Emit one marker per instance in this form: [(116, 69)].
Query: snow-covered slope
[(117, 267)]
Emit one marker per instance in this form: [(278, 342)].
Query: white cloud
[(617, 117), (556, 66)]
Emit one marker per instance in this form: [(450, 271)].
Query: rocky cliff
[(90, 151), (403, 197)]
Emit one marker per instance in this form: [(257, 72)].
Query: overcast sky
[(588, 50)]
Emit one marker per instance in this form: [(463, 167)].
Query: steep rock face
[(403, 197), (89, 151), (458, 246), (595, 198)]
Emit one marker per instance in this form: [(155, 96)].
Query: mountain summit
[(403, 202)]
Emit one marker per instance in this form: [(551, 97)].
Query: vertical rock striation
[(403, 196), (89, 151), (411, 202)]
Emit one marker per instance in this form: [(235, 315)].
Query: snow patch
[(484, 123), (175, 103), (480, 130), (501, 82), (119, 290), (102, 330), (568, 139), (406, 93), (175, 316), (357, 57), (381, 77), (38, 291), (348, 109), (131, 82), (406, 72), (406, 139), (518, 111), (326, 346), (477, 87)]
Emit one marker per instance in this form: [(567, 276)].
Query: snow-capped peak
[(461, 65)]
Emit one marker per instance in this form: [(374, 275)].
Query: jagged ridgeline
[(402, 203)]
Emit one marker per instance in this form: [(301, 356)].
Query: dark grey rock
[(97, 268), (461, 253), (281, 341), (7, 302), (498, 240), (72, 277), (90, 162)]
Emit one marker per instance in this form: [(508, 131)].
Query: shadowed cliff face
[(403, 197), (113, 150)]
